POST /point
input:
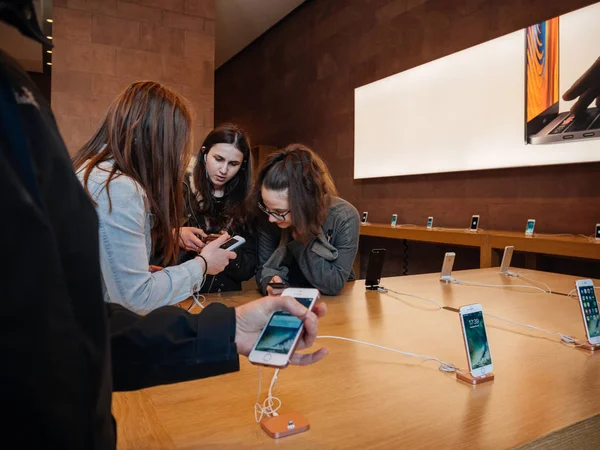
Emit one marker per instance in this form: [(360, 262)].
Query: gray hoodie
[(325, 262)]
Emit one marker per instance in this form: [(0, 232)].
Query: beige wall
[(101, 46)]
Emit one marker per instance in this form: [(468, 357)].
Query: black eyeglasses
[(276, 215)]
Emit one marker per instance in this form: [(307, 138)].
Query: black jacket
[(55, 379), (240, 269)]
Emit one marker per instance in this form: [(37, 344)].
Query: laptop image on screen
[(544, 123)]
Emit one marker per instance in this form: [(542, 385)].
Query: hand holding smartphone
[(277, 286), (233, 243), (278, 340)]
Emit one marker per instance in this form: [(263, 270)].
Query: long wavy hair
[(237, 189), (147, 134), (308, 182)]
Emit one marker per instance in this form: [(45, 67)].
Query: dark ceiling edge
[(264, 33)]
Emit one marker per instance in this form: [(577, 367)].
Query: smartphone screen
[(229, 243), (394, 220), (598, 231), (375, 266), (364, 217), (529, 228), (429, 222), (281, 331), (589, 303), (476, 339), (474, 222)]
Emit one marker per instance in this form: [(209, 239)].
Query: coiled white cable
[(271, 404)]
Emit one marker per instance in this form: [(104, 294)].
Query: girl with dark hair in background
[(315, 237), (215, 202), (133, 169)]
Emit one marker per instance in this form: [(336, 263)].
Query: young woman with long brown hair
[(215, 196), (133, 169), (315, 239)]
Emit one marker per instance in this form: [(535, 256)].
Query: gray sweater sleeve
[(327, 265)]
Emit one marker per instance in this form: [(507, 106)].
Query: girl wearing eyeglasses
[(215, 202), (311, 235)]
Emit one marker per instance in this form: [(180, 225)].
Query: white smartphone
[(597, 235), (447, 266), (506, 258), (233, 243), (429, 223), (529, 228), (394, 219), (474, 223), (476, 341), (279, 338), (589, 310), (364, 217)]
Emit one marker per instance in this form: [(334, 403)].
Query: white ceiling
[(239, 22)]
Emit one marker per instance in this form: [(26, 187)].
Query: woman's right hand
[(190, 238), (217, 258), (274, 292)]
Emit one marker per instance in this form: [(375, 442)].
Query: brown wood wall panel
[(297, 81)]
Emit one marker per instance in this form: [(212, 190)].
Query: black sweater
[(56, 378)]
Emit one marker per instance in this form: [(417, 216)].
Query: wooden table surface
[(558, 283), (361, 397)]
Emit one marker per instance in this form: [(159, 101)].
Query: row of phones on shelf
[(474, 226)]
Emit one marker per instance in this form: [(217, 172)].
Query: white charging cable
[(385, 290), (271, 404), (563, 337), (443, 367), (196, 295), (522, 286), (532, 281), (570, 294)]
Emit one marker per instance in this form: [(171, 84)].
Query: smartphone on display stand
[(447, 267), (506, 258), (374, 268), (476, 341), (279, 338), (597, 234), (394, 219), (364, 217), (474, 223), (429, 223), (589, 310), (529, 228), (233, 243)]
